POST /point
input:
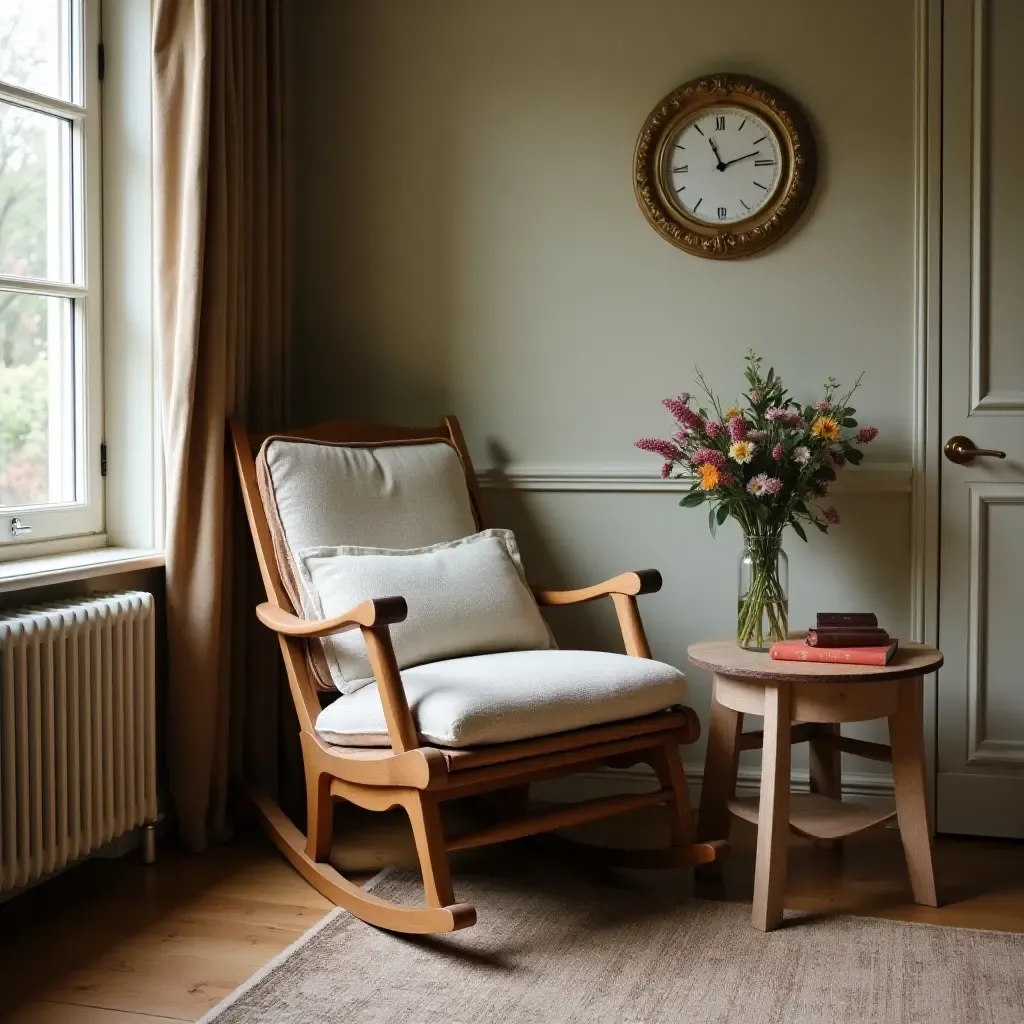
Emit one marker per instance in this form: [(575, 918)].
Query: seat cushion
[(465, 597), (499, 698)]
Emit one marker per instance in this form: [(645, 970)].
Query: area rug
[(555, 944)]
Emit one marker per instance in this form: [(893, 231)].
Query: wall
[(468, 241)]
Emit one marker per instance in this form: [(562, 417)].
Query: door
[(980, 711)]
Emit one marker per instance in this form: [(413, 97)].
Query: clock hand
[(746, 156), (718, 156)]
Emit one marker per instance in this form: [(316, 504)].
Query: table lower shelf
[(817, 816)]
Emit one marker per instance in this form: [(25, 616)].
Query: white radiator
[(77, 729)]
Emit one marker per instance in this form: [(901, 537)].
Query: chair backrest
[(348, 482)]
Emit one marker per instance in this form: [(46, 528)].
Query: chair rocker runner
[(418, 724)]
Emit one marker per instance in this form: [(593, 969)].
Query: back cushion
[(465, 597), (400, 495)]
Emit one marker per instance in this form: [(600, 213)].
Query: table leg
[(720, 765), (825, 763), (906, 738), (773, 812)]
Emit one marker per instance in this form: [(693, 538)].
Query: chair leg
[(425, 817), (668, 765), (319, 815)]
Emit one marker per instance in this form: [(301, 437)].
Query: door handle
[(960, 449)]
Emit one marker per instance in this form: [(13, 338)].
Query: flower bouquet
[(767, 463)]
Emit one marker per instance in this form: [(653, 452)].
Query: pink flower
[(832, 515), (682, 412), (775, 412), (758, 485), (681, 436), (702, 455), (665, 449), (772, 485), (777, 453), (756, 435), (867, 434), (726, 479), (737, 429), (755, 395), (666, 470), (822, 405), (712, 428)]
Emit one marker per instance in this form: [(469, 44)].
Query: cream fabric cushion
[(407, 494), (465, 597), (498, 698), (388, 496)]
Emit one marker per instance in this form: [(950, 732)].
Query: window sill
[(46, 570)]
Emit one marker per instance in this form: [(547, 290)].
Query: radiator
[(77, 730)]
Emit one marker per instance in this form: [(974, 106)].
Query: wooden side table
[(803, 701)]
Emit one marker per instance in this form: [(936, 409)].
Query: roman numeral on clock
[(720, 124), (722, 213)]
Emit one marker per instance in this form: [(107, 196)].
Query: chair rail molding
[(877, 478)]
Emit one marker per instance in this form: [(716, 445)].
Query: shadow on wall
[(374, 310)]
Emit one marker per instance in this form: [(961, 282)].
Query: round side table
[(805, 702)]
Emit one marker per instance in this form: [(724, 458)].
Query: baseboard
[(864, 788)]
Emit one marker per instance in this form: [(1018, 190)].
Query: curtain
[(223, 293)]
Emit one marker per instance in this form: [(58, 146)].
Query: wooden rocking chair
[(410, 773)]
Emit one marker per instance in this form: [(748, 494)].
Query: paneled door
[(980, 713)]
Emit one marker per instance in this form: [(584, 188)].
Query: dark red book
[(847, 637), (846, 619), (797, 650)]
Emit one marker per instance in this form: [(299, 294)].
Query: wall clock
[(724, 166)]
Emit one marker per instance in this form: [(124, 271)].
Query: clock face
[(722, 165)]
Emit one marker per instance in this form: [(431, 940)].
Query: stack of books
[(849, 638)]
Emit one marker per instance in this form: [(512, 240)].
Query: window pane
[(35, 194), (37, 400), (34, 50)]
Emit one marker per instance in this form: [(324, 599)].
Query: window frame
[(78, 524)]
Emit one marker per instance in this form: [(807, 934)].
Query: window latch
[(18, 527)]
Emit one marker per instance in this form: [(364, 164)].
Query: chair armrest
[(372, 617), (378, 611), (628, 584)]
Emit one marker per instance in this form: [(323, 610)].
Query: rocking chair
[(380, 745)]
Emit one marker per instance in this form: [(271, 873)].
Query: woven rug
[(600, 947)]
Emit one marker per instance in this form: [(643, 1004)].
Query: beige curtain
[(222, 259)]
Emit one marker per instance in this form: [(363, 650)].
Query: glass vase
[(763, 593)]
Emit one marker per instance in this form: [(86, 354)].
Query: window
[(50, 290)]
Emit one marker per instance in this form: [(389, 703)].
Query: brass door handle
[(960, 449)]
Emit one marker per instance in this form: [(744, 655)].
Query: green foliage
[(25, 146)]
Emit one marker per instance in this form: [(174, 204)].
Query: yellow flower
[(731, 412), (742, 451), (709, 477), (827, 427)]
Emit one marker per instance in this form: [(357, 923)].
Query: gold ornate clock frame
[(796, 175)]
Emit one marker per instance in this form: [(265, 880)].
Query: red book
[(797, 650)]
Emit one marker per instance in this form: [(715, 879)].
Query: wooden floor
[(113, 942)]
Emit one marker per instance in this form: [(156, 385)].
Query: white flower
[(802, 455), (742, 451)]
